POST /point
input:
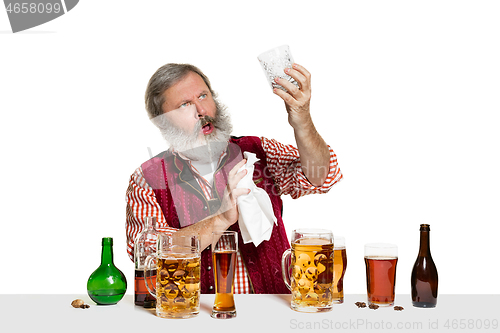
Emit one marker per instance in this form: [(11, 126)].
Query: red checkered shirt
[(284, 165)]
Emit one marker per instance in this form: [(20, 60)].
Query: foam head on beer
[(381, 250)]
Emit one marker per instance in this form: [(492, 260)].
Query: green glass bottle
[(107, 285)]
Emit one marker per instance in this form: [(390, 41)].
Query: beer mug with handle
[(310, 273), (177, 290)]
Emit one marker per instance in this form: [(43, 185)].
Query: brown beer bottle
[(424, 277)]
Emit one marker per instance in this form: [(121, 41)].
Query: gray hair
[(165, 77)]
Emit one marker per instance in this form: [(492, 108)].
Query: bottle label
[(140, 283)]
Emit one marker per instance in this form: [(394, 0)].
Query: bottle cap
[(107, 241)]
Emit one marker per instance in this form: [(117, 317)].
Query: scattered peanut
[(79, 303), (360, 304)]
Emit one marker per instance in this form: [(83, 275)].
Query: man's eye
[(183, 105), (203, 96)]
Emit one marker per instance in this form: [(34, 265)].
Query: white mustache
[(187, 142)]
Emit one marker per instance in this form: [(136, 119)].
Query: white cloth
[(256, 216)]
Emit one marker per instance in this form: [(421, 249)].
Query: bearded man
[(192, 187)]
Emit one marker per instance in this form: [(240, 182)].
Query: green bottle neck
[(107, 254)]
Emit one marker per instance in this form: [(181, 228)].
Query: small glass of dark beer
[(224, 248), (381, 260)]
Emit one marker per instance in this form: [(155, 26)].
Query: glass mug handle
[(147, 275), (285, 268)]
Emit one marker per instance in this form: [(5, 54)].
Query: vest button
[(211, 287), (205, 207), (209, 268)]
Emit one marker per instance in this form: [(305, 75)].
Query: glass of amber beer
[(311, 268), (339, 267), (224, 248), (177, 289), (381, 260)]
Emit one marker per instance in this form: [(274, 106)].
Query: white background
[(405, 92)]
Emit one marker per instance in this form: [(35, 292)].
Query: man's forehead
[(190, 83), (190, 86)]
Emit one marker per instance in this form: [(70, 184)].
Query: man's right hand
[(228, 211), (227, 214)]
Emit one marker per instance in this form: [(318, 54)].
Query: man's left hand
[(313, 151), (297, 99)]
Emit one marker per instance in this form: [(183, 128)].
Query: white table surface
[(255, 313)]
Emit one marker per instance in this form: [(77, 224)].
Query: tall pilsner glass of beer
[(380, 261), (311, 280), (339, 267), (224, 248)]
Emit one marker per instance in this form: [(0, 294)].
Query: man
[(192, 187)]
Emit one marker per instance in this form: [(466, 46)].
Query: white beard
[(204, 149)]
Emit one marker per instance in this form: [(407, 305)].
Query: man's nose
[(200, 110)]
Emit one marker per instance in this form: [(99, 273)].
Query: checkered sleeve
[(141, 203), (241, 280), (284, 165)]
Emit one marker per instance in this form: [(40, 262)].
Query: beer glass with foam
[(380, 261), (310, 273), (224, 248), (177, 289)]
